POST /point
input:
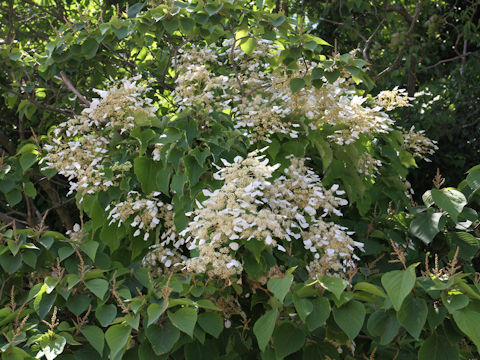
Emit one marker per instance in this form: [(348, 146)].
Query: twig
[(407, 34), (72, 88)]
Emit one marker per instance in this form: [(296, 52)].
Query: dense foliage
[(210, 180)]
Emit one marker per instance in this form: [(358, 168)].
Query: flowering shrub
[(248, 207)]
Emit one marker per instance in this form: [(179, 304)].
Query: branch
[(414, 19), (72, 88), (20, 224), (36, 103), (52, 193), (402, 11), (345, 25), (369, 40)]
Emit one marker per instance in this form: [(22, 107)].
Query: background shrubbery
[(138, 143)]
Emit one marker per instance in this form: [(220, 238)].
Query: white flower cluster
[(80, 149), (147, 212), (368, 165), (392, 99), (260, 100), (418, 144), (249, 207)]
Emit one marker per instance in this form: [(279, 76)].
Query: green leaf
[(383, 324), (320, 313), (468, 245), (52, 346), (27, 160), (334, 285), (178, 182), (95, 337), (90, 248), (435, 316), (89, 48), (211, 322), (184, 319), (10, 263), (349, 317), (15, 353), (331, 76), (193, 169), (13, 197), (187, 24), (207, 304), (277, 20), (65, 252), (455, 302), (426, 225), (467, 319), (105, 314), (398, 284), (370, 288), (287, 339), (29, 190), (78, 304), (296, 85), (162, 338), (280, 286), (450, 200), (117, 337), (212, 9), (304, 307), (438, 347), (98, 286), (413, 315), (263, 328), (248, 45), (146, 171), (427, 198), (134, 9), (473, 180), (154, 311)]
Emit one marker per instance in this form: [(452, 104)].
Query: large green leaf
[(450, 200), (154, 311), (98, 286), (184, 319), (52, 346), (146, 171), (350, 317), (412, 315), (438, 347), (398, 284), (320, 313), (280, 286), (211, 322), (95, 337), (334, 285), (426, 225), (287, 339), (105, 314), (117, 339), (384, 325), (163, 338), (468, 320), (263, 328), (473, 180)]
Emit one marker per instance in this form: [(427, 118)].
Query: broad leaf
[(280, 286), (349, 317), (263, 328), (184, 319), (412, 315), (398, 284)]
